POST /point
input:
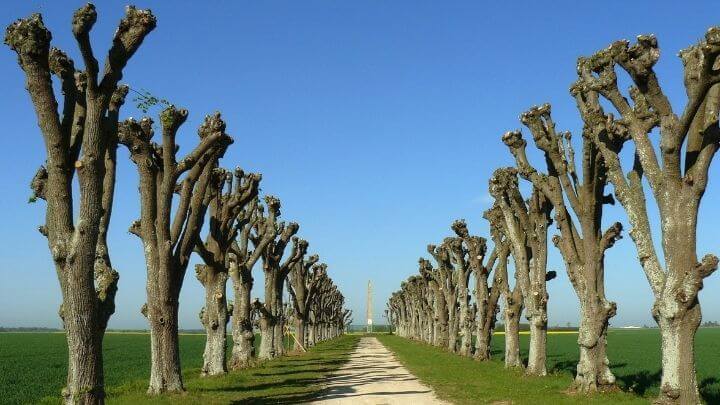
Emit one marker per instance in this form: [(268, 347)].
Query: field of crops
[(634, 357), (32, 365)]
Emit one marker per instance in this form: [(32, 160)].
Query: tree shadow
[(564, 367), (296, 378), (709, 394), (279, 399), (639, 382)]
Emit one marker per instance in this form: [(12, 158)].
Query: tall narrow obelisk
[(369, 308)]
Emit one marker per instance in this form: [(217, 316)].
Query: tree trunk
[(537, 318), (312, 335), (452, 327), (165, 374), (300, 334), (593, 372), (513, 308), (485, 310), (243, 349), (278, 328), (464, 321), (215, 318), (538, 346), (677, 330), (85, 367), (279, 338), (268, 319), (482, 345), (267, 350), (440, 334), (677, 308)]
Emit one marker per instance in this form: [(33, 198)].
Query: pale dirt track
[(373, 376)]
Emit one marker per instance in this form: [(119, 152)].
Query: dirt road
[(373, 376)]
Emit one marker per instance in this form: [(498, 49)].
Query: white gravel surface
[(373, 376)]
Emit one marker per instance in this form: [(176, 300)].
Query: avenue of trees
[(671, 152), (188, 204)]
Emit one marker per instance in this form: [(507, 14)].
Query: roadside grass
[(634, 357), (33, 369)]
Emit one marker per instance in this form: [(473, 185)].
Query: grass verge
[(465, 381), (33, 368), (286, 380)]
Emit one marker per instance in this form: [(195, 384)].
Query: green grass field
[(33, 367), (634, 357)]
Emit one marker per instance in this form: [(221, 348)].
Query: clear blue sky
[(377, 123)]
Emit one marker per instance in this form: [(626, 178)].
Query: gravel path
[(373, 376)]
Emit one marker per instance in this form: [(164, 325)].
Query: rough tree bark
[(525, 225), (169, 242), (82, 141), (583, 249), (229, 203), (513, 302), (691, 139)]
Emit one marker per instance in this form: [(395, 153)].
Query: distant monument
[(369, 307)]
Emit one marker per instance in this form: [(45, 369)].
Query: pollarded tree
[(302, 285), (347, 319), (487, 297), (396, 313), (325, 287), (408, 310), (468, 254), (678, 180), (440, 312), (581, 241), (447, 283), (169, 240), (273, 266), (419, 299), (260, 229), (332, 313), (389, 316), (299, 250), (228, 197), (525, 225), (84, 141), (513, 299)]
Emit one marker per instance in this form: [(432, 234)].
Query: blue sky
[(376, 123)]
